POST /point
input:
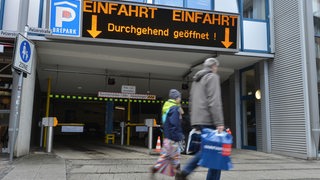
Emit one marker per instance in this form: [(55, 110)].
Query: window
[(199, 4), (254, 9), (177, 3), (226, 6), (141, 1), (316, 17)]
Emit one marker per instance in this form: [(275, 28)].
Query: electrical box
[(149, 122)]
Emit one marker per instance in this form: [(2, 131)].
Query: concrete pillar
[(26, 110), (16, 21)]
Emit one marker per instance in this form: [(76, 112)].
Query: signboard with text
[(65, 17), (117, 21), (128, 89), (126, 95)]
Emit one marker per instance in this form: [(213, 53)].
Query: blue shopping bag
[(216, 150)]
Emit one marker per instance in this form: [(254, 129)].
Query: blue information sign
[(25, 51), (23, 55), (65, 17)]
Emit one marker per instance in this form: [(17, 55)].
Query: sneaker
[(180, 175)]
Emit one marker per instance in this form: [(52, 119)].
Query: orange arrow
[(94, 32), (226, 41)]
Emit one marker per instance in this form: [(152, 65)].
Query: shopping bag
[(194, 141), (216, 149)]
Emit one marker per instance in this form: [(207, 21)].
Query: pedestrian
[(206, 111), (169, 161)]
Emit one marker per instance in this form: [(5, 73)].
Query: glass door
[(248, 118)]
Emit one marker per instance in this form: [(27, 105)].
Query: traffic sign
[(65, 17), (130, 22), (23, 56)]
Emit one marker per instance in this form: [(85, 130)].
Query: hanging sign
[(121, 21), (126, 95), (128, 89)]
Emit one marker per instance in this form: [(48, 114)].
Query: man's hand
[(220, 128)]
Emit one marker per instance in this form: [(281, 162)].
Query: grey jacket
[(205, 99)]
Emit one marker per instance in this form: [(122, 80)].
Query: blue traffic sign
[(23, 55), (25, 51)]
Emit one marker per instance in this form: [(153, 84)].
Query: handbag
[(216, 149), (194, 141)]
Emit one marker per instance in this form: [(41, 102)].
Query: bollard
[(149, 123), (122, 132), (49, 139), (49, 122), (150, 138)]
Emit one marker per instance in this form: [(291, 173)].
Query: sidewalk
[(34, 166), (105, 164)]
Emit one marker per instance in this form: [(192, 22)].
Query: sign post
[(23, 58)]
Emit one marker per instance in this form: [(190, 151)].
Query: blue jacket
[(172, 127)]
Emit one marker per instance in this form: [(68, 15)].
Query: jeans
[(213, 174)]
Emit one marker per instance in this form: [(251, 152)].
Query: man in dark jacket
[(205, 109)]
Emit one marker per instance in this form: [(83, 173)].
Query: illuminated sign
[(110, 20)]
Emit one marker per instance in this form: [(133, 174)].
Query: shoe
[(153, 170), (180, 175)]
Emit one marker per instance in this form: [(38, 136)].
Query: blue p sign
[(65, 17)]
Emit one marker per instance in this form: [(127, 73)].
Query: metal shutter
[(287, 111)]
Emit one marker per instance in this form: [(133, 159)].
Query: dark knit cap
[(174, 94)]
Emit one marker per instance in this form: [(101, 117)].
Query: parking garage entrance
[(87, 117)]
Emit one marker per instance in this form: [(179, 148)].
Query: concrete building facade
[(268, 51)]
